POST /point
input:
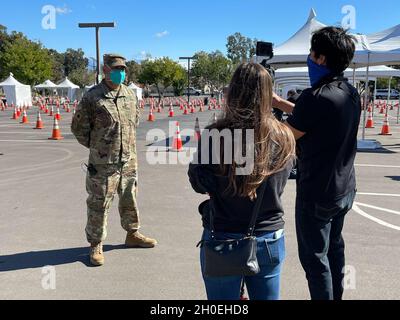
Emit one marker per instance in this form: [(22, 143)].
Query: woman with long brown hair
[(233, 194)]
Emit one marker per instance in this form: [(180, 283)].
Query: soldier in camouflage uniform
[(105, 122)]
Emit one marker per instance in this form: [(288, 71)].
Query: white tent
[(296, 50), (46, 85), (16, 93), (70, 87), (375, 49), (360, 73), (138, 90)]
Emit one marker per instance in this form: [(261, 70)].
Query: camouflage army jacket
[(105, 122)]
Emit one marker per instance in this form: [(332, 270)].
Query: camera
[(265, 51)]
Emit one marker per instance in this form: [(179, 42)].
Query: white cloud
[(162, 34), (63, 10)]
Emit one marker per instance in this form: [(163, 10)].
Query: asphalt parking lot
[(43, 214)]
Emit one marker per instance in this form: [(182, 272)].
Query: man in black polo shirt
[(325, 122)]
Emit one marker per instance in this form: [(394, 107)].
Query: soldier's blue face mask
[(316, 71), (117, 76)]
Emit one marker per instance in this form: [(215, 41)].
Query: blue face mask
[(117, 77), (316, 71)]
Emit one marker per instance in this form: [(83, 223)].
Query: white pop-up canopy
[(360, 73), (294, 52), (138, 91), (375, 49), (70, 87), (16, 93), (46, 85)]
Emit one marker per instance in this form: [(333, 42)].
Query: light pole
[(97, 26), (188, 88)]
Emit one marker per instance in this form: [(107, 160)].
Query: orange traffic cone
[(370, 121), (58, 115), (385, 129), (18, 112), (185, 111), (56, 131), (15, 115), (197, 131), (171, 112), (24, 118), (51, 113), (177, 143), (39, 122), (151, 116)]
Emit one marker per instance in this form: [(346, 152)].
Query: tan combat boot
[(96, 254), (136, 240)]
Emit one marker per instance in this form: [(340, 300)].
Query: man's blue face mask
[(316, 71), (117, 77)]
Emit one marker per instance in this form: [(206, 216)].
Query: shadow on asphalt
[(39, 259), (394, 178)]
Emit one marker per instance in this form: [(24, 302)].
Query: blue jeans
[(263, 286), (321, 245)]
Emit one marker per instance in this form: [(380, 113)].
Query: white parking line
[(378, 208), (376, 166), (378, 194), (357, 209)]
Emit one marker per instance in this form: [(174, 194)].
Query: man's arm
[(282, 104), (81, 123), (288, 107)]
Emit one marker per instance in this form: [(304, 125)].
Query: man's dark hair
[(336, 45)]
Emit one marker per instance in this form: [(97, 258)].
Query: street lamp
[(97, 26), (188, 88)]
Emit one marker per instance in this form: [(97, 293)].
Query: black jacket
[(233, 213)]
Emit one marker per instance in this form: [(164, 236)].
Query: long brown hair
[(249, 106)]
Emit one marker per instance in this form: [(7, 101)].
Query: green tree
[(180, 80), (58, 65), (211, 69), (82, 77), (162, 73), (134, 70), (240, 48), (74, 60), (27, 60)]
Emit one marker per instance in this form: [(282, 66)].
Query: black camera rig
[(265, 50)]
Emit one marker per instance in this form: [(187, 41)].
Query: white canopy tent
[(138, 91), (294, 52), (381, 48), (16, 93), (46, 85), (360, 73), (70, 87)]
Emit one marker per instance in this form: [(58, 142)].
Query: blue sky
[(174, 27)]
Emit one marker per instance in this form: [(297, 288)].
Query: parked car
[(192, 91), (384, 93)]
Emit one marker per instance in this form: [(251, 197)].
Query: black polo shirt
[(329, 113)]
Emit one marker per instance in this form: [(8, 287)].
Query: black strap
[(254, 216)]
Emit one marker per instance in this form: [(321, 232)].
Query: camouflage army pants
[(102, 185)]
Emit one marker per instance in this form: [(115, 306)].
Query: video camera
[(265, 50)]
